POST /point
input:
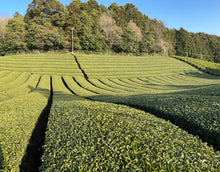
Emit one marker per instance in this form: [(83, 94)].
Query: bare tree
[(3, 29), (111, 32), (135, 29)]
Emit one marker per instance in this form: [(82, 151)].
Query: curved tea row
[(141, 81)]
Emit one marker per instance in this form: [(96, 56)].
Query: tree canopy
[(122, 29)]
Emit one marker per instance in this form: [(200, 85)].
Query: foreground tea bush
[(85, 135), (17, 121), (198, 114), (209, 67)]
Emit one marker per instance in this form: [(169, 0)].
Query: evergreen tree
[(15, 40), (45, 11), (84, 18), (74, 11), (118, 13), (45, 20), (44, 38), (135, 15), (92, 5), (132, 38), (182, 44), (47, 25)]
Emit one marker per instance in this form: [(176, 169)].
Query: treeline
[(197, 45), (121, 29)]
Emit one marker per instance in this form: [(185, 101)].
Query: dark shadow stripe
[(96, 86), (1, 160), (86, 78), (83, 72), (110, 87), (31, 161), (83, 87), (64, 82), (117, 86), (38, 82)]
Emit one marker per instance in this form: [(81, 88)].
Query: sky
[(192, 15)]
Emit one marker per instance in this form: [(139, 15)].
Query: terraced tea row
[(18, 118), (92, 87), (21, 86), (93, 136), (170, 82), (137, 71), (131, 66), (43, 64), (9, 77), (199, 121), (209, 67), (103, 136), (138, 81)]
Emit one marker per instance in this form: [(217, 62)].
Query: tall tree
[(84, 19), (44, 11), (45, 21), (3, 34), (92, 5), (136, 30), (134, 14), (110, 31), (183, 41), (74, 10), (16, 34), (44, 38), (132, 38), (119, 14)]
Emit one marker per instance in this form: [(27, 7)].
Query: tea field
[(209, 67), (108, 113)]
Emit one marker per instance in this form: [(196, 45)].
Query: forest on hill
[(124, 29)]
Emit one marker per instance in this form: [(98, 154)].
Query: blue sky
[(192, 15)]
